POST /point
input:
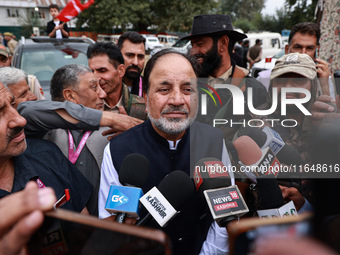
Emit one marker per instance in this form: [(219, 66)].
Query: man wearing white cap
[(293, 70)]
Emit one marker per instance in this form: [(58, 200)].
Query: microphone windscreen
[(177, 188), (289, 156), (270, 195), (134, 170), (254, 133), (247, 149)]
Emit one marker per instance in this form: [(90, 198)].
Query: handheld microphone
[(124, 200), (164, 201), (213, 183), (210, 173), (270, 200), (255, 162), (268, 137)]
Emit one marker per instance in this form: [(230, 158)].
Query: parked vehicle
[(266, 63), (151, 42), (271, 42), (182, 46), (42, 56), (108, 38), (167, 40)]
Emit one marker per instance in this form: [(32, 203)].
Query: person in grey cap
[(293, 70), (213, 38)]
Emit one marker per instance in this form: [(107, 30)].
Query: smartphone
[(242, 235), (317, 53), (64, 232)]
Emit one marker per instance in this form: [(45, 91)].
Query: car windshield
[(172, 40), (180, 43), (280, 54), (44, 62)]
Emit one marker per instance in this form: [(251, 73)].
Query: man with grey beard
[(171, 140)]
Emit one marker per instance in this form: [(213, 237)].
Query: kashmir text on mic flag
[(72, 9)]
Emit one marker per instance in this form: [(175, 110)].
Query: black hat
[(208, 25)]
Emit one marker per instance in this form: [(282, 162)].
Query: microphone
[(270, 200), (210, 173), (253, 161), (212, 181), (163, 202), (262, 167), (124, 200), (268, 137)]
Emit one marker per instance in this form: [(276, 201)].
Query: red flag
[(72, 9)]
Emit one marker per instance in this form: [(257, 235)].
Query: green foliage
[(273, 23), (106, 15), (28, 21), (300, 11), (177, 15), (164, 15), (113, 16), (244, 24), (241, 9)]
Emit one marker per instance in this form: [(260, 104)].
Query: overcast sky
[(271, 6)]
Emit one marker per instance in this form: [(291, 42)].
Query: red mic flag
[(72, 9)]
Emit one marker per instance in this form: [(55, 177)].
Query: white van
[(168, 40), (271, 42), (108, 38)]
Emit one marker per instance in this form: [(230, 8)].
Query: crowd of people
[(102, 113)]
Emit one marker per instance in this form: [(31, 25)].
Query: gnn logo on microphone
[(238, 100)]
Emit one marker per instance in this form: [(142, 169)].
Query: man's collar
[(114, 108), (172, 145)]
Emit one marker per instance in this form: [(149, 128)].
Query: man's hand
[(292, 194), (118, 122), (21, 215), (322, 70), (322, 109), (60, 26), (128, 220)]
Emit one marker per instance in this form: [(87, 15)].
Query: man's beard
[(132, 75), (171, 126), (211, 61)]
